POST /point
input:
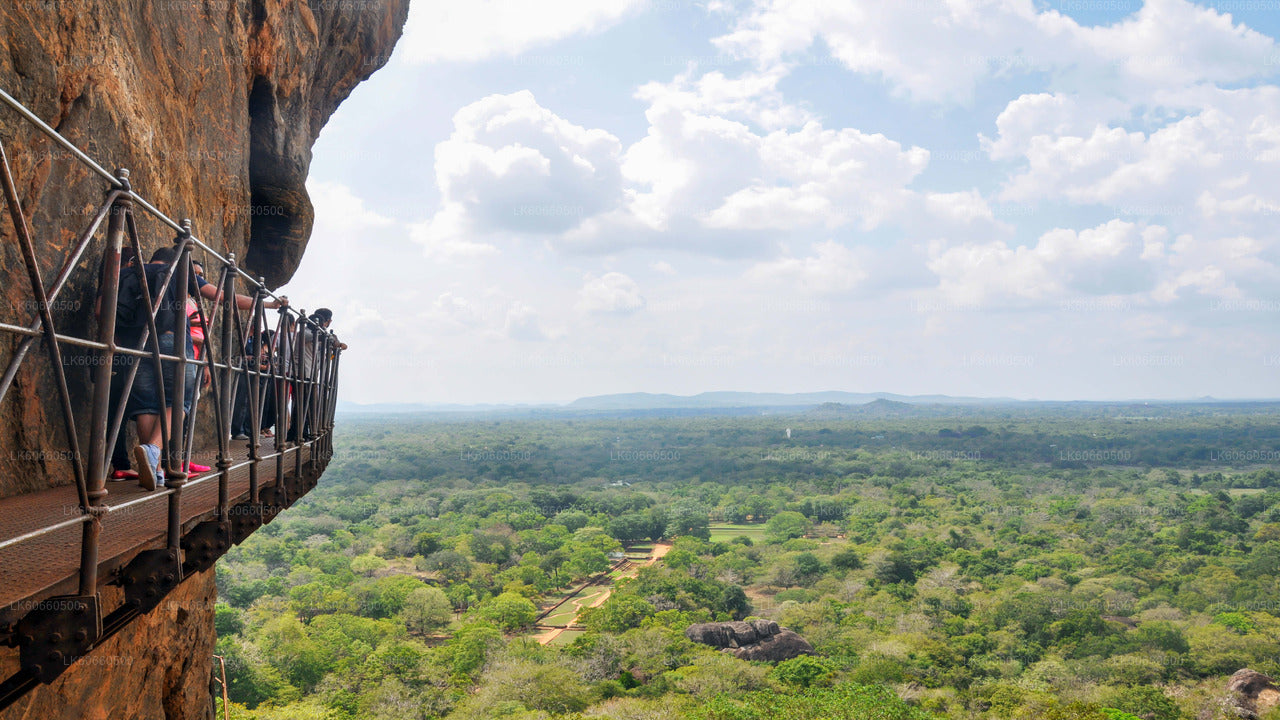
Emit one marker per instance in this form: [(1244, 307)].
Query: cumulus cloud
[(1104, 260), (711, 177), (1166, 43), (444, 31), (511, 166), (833, 270), (1222, 158), (612, 292)]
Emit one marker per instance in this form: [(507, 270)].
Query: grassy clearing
[(724, 533), (567, 636)]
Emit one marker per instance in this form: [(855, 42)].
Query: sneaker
[(239, 436), (124, 475), (196, 468), (146, 474)]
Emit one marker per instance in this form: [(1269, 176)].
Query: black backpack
[(131, 309)]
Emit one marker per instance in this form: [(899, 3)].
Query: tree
[(508, 611), (227, 620), (426, 609), (425, 543), (688, 518), (808, 566), (630, 527), (467, 650), (803, 671), (618, 614), (572, 519), (585, 561), (847, 559), (786, 525), (541, 687)]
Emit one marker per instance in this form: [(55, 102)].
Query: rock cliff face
[(213, 105), (157, 668)]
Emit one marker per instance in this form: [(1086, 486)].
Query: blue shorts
[(144, 398)]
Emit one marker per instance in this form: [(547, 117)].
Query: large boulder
[(1253, 693), (776, 648), (756, 640)]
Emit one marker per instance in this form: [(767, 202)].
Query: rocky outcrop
[(1253, 693), (212, 105), (756, 640), (157, 667)]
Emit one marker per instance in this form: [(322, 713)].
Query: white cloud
[(833, 270), (448, 31), (522, 323), (705, 179), (1166, 43), (612, 292), (341, 211), (1105, 260), (1222, 159), (511, 167)]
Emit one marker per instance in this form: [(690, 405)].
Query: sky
[(535, 202)]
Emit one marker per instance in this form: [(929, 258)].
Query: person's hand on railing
[(283, 302)]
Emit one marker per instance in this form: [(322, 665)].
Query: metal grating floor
[(49, 564)]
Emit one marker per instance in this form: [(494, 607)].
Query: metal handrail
[(119, 184), (223, 362)]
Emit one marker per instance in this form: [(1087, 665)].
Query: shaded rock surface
[(157, 667), (1253, 693), (756, 640), (213, 105)]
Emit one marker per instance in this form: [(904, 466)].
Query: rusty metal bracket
[(202, 547), (275, 500), (59, 631), (245, 518), (151, 575)]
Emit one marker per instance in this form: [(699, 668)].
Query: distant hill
[(639, 401), (828, 404), (876, 408)]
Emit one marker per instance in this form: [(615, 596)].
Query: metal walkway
[(48, 565), (80, 561)]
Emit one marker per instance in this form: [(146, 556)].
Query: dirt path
[(549, 634), (659, 551)]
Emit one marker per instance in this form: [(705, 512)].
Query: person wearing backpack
[(121, 469), (144, 399)]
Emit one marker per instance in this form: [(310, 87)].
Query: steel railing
[(297, 369)]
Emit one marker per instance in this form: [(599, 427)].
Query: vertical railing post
[(255, 394), (175, 450), (317, 396), (278, 362), (230, 351), (102, 372), (298, 385)]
